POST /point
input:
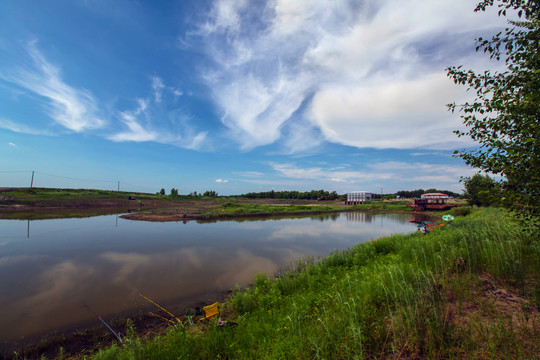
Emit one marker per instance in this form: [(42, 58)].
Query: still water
[(50, 268)]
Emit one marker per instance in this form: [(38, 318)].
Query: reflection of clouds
[(63, 279), (194, 270), (128, 263), (313, 230), (292, 232), (242, 269), (53, 302), (14, 260), (362, 226)]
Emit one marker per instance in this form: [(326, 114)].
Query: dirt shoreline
[(90, 337)]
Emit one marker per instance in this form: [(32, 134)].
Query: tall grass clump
[(405, 296)]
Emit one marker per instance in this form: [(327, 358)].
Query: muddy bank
[(92, 336), (13, 208), (179, 216)]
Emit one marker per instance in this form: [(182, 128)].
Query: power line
[(2, 171), (119, 182), (76, 179)]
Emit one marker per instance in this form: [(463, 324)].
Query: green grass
[(381, 205), (231, 208), (402, 295), (234, 209)]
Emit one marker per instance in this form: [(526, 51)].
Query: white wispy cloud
[(251, 174), (12, 144), (370, 72), (403, 174), (21, 128), (78, 110), (135, 131), (222, 181), (157, 86), (140, 125), (74, 109)]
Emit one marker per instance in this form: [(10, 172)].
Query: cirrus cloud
[(74, 109), (371, 73)]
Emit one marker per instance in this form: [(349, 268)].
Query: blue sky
[(235, 96)]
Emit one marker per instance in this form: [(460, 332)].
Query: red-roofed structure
[(431, 201), (434, 196)]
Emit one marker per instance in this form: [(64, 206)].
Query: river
[(51, 269)]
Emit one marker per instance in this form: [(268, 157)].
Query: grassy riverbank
[(468, 290), (236, 208)]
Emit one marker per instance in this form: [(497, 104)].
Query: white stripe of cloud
[(141, 128), (19, 128), (157, 86), (74, 109), (406, 175), (372, 72)]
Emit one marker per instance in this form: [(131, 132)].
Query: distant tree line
[(174, 193), (315, 194), (417, 193), (307, 195)]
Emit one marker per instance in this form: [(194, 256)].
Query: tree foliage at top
[(210, 193), (481, 190), (308, 195), (411, 194), (504, 117)]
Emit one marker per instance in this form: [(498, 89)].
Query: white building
[(434, 196), (358, 197)]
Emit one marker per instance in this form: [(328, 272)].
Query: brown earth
[(146, 324), (145, 209)]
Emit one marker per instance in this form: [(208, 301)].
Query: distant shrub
[(461, 211), (231, 205)]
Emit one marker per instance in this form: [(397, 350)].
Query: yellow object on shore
[(211, 310)]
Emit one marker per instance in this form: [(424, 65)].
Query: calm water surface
[(49, 268)]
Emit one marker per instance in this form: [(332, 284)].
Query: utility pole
[(32, 182), (119, 186)]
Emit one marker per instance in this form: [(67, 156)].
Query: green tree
[(481, 190), (162, 191), (504, 117), (210, 193), (174, 192)]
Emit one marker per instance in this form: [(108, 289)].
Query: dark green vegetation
[(306, 195), (417, 193), (503, 118), (326, 195), (466, 290), (481, 190)]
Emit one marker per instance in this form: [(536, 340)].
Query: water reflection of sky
[(48, 268)]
